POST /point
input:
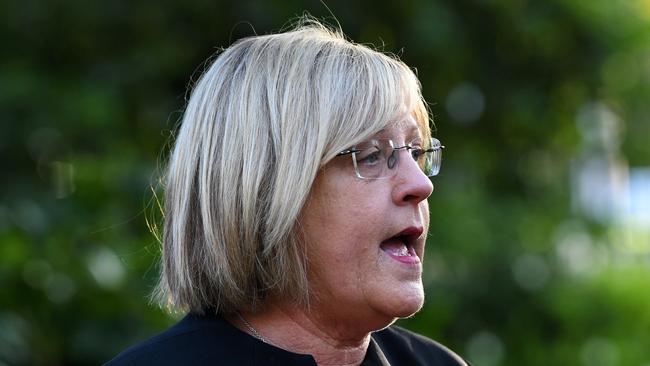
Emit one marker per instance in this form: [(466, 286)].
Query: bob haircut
[(259, 124)]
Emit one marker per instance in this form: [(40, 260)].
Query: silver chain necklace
[(254, 331)]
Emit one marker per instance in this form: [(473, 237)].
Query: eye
[(416, 152), (369, 157)]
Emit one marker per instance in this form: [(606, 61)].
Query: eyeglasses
[(379, 158)]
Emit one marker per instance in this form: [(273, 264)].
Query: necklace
[(254, 331)]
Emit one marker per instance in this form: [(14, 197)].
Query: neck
[(306, 332)]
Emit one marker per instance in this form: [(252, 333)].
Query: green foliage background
[(516, 272)]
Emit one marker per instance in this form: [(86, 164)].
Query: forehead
[(405, 127)]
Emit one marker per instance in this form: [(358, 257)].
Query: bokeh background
[(540, 238)]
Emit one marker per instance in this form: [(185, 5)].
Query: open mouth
[(402, 246)]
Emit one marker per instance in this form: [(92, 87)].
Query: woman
[(295, 210)]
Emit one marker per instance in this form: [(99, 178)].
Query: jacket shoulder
[(402, 346), (189, 342)]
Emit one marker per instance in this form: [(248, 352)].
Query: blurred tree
[(518, 269)]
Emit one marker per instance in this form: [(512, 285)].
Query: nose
[(411, 184)]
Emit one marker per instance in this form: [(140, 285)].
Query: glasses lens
[(374, 158), (379, 158), (433, 159)]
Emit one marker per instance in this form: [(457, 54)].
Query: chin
[(410, 307), (405, 304)]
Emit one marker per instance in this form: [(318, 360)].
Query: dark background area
[(539, 244)]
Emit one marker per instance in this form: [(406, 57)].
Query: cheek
[(424, 213), (345, 243), (341, 250), (341, 228)]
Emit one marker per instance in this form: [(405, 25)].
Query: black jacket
[(211, 340)]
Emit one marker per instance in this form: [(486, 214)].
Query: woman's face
[(365, 238)]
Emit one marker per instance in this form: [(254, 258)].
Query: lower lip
[(406, 259)]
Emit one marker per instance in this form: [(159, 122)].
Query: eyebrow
[(409, 131)]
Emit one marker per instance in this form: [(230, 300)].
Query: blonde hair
[(260, 123)]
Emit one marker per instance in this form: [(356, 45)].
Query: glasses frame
[(435, 151)]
